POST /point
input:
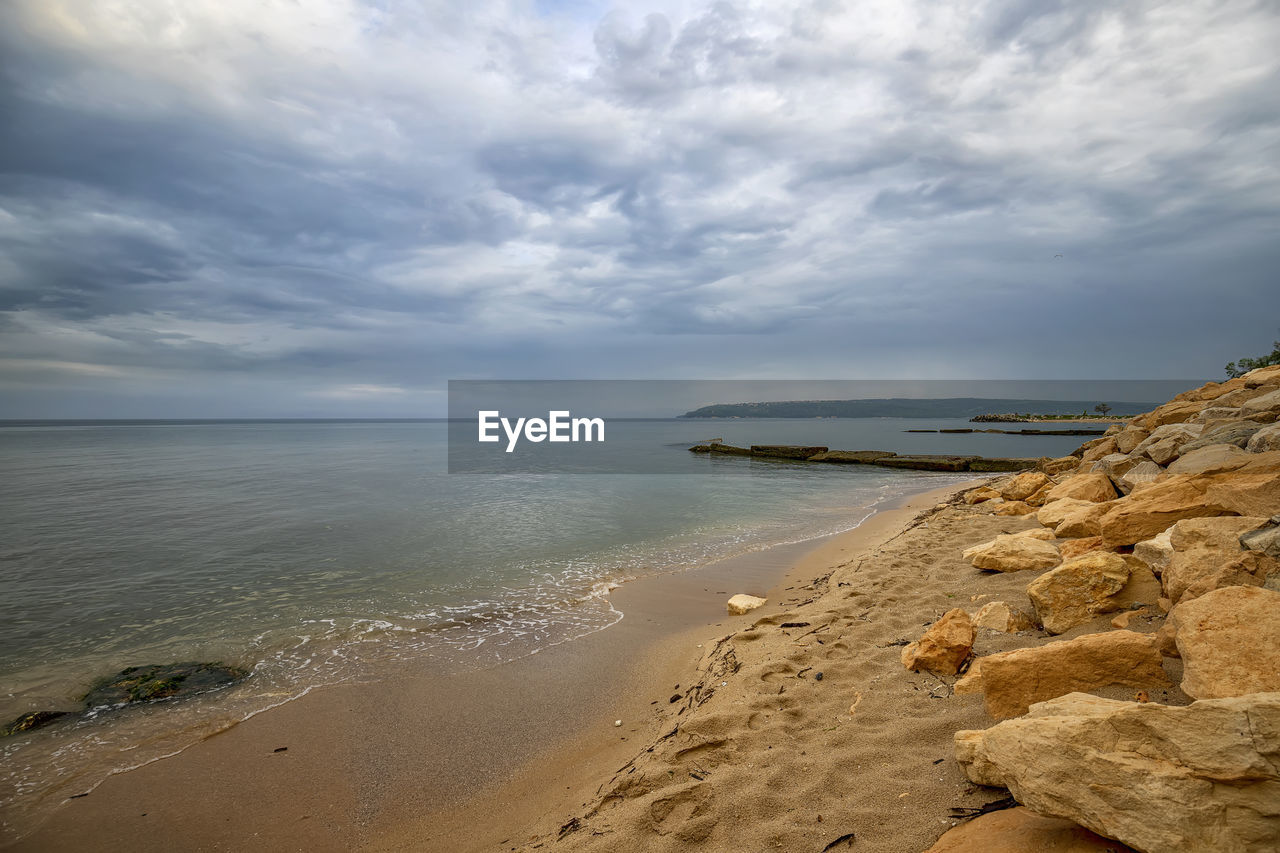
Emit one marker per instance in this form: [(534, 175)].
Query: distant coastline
[(905, 407)]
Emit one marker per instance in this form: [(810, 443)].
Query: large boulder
[(1082, 521), (1059, 465), (1012, 681), (980, 495), (1114, 465), (944, 647), (1159, 778), (1024, 485), (1206, 555), (1235, 432), (1137, 476), (1013, 553), (1053, 512), (1020, 830), (1229, 642), (1175, 411), (1269, 375), (1013, 508), (1164, 443), (1265, 408), (1094, 450), (1264, 440), (1210, 459), (999, 616), (1129, 438), (1095, 487), (1076, 592), (1072, 548), (1253, 489)]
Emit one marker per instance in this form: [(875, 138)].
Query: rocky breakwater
[(1172, 521)]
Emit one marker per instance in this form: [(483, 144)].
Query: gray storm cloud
[(246, 208)]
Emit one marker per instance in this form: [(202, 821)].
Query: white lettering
[(488, 423), (587, 425), (513, 435), (560, 426)]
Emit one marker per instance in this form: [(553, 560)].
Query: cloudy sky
[(330, 207)]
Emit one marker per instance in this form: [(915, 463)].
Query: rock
[(1042, 533), (1164, 443), (1253, 489), (1076, 592), (927, 463), (1082, 520), (1014, 508), (1038, 497), (1176, 411), (1098, 449), (1002, 463), (1085, 487), (980, 494), (1206, 555), (1052, 513), (1265, 538), (944, 647), (1061, 465), (1264, 408), (1159, 778), (1070, 549), (852, 457), (1229, 642), (1217, 413), (29, 721), (1012, 681), (1138, 475), (1210, 459), (161, 681), (1129, 438), (1235, 432), (1268, 375), (1024, 485), (999, 616), (1265, 439), (1012, 553), (1122, 620), (1114, 465), (1155, 552), (1020, 830), (743, 603)]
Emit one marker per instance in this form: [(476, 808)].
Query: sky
[(260, 208)]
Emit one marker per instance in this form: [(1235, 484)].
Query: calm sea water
[(310, 552)]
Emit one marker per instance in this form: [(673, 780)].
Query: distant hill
[(905, 407)]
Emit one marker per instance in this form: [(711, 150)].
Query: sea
[(314, 552)]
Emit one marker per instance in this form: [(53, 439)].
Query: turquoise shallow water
[(310, 552)]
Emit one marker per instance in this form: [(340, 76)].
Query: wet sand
[(421, 760)]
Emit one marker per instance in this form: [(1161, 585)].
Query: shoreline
[(377, 761)]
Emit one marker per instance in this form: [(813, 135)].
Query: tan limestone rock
[(999, 616), (1139, 475), (1210, 459), (980, 494), (1085, 487), (1060, 465), (742, 603), (1012, 553), (1173, 412), (1020, 830), (1097, 449), (1014, 508), (1082, 521), (1076, 592), (1265, 408), (1042, 533), (1154, 552), (1129, 438), (1265, 440), (1122, 620), (1206, 555), (944, 647), (1073, 548), (1012, 681), (1052, 513), (1229, 642), (1159, 778), (1024, 485)]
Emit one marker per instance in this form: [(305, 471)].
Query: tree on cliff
[(1244, 365)]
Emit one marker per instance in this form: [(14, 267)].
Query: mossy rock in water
[(32, 720), (161, 681)]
